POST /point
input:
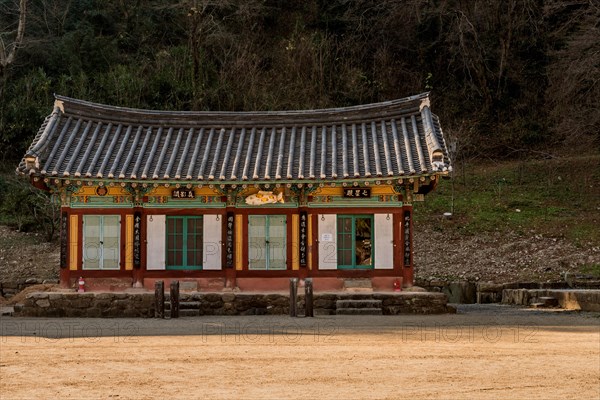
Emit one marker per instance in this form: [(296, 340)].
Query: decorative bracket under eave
[(137, 192)]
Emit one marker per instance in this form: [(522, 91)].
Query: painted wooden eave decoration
[(393, 139)]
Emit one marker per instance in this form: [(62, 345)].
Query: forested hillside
[(507, 77), (516, 84)]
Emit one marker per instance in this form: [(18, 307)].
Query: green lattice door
[(184, 242), (355, 241), (101, 241), (266, 242)]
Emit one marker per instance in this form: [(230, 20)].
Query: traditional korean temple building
[(238, 199)]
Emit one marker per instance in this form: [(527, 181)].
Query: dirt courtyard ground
[(483, 352)]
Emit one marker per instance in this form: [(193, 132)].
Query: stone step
[(358, 284), (359, 311), (184, 305), (189, 313), (537, 305), (358, 290), (548, 301), (358, 304), (544, 302), (189, 305), (188, 286), (7, 311)]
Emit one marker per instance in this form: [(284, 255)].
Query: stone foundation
[(51, 304), (92, 305)]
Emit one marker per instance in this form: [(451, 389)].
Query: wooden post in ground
[(159, 299), (293, 297), (175, 299), (308, 297)]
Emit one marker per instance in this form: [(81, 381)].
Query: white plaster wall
[(384, 241), (155, 246), (327, 229), (212, 242)]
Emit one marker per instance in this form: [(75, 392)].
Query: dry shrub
[(22, 295)]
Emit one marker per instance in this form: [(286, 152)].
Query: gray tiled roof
[(392, 139)]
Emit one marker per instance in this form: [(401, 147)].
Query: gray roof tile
[(397, 138)]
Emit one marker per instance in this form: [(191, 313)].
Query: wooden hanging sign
[(303, 238), (183, 193), (356, 193), (137, 239), (229, 240)]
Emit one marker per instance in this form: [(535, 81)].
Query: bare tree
[(574, 75), (8, 50)]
